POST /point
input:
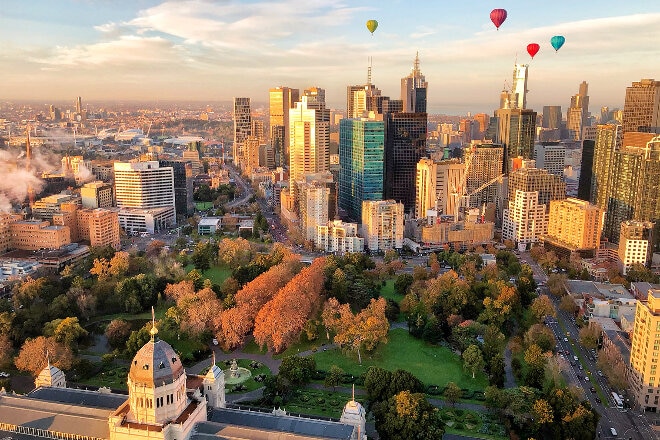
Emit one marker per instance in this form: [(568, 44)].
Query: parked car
[(592, 389)]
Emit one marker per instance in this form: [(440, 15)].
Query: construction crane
[(469, 155), (466, 197)]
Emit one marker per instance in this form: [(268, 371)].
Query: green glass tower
[(361, 157)]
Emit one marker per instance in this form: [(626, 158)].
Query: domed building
[(163, 402)]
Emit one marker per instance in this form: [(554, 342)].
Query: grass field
[(217, 274), (387, 291), (203, 206), (432, 364)]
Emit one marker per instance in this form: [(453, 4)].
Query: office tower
[(608, 139), (361, 164), (548, 186), (525, 220), (605, 115), (483, 120), (310, 137), (413, 90), (143, 185), (468, 129), (34, 235), (552, 116), (551, 156), (515, 130), (183, 186), (79, 105), (574, 226), (641, 111), (405, 145), (586, 169), (439, 184), (632, 192), (282, 99), (191, 155), (96, 195), (316, 99), (242, 127), (382, 224), (635, 243), (363, 99), (644, 377), (578, 113), (485, 166), (519, 87), (103, 225)]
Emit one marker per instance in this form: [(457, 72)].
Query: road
[(628, 423)]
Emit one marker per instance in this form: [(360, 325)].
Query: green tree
[(536, 360), (453, 393), (376, 382), (70, 332), (473, 359), (117, 332), (403, 283), (136, 341), (589, 335), (298, 370), (496, 370), (333, 377), (542, 307), (408, 416), (540, 335)]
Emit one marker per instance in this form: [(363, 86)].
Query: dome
[(155, 364)]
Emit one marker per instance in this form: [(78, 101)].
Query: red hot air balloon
[(497, 16), (533, 49)]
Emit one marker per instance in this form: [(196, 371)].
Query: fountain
[(237, 374)]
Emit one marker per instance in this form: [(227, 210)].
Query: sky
[(203, 50)]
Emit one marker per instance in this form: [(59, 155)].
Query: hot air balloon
[(497, 16), (372, 25), (533, 49), (557, 42)]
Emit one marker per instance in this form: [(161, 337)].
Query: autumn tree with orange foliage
[(280, 322), (197, 311), (499, 304), (235, 323), (32, 356), (355, 332)]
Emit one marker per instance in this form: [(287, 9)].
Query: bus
[(617, 400)]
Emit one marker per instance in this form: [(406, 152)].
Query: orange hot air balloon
[(533, 49), (372, 25), (497, 16)]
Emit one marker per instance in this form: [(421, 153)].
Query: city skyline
[(213, 51)]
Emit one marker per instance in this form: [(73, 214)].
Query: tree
[(376, 382), (35, 353), (403, 283), (535, 360), (199, 311), (452, 393), (117, 332), (408, 416), (613, 367), (333, 377), (235, 253), (540, 335), (6, 350), (589, 335), (137, 339), (557, 284), (119, 264), (100, 268), (567, 304), (496, 370), (281, 320), (298, 370), (473, 359), (543, 412), (69, 332), (542, 307)]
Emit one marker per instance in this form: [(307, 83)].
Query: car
[(215, 341), (575, 358), (600, 373), (592, 389), (3, 374), (586, 378), (613, 431), (565, 339), (598, 400), (580, 366)]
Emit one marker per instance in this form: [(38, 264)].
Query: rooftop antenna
[(153, 330)]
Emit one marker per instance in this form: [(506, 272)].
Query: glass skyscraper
[(361, 162)]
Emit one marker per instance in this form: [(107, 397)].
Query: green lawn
[(159, 311), (250, 384), (317, 402), (203, 206), (217, 274), (472, 424), (433, 365), (387, 291)]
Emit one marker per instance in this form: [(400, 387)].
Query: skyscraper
[(309, 125), (438, 186), (578, 113), (519, 86), (413, 90), (641, 111), (552, 116), (515, 130), (361, 164), (282, 99), (635, 243), (644, 377), (242, 127), (382, 224), (574, 225), (486, 165), (405, 146)]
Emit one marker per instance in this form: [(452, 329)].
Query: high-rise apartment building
[(548, 186), (382, 224), (574, 225), (515, 130), (607, 142), (242, 127), (551, 156), (309, 125), (552, 117), (641, 111), (361, 163), (338, 236), (282, 99), (577, 114), (586, 169), (314, 200), (485, 166), (413, 90), (439, 184), (525, 220), (644, 374), (183, 186), (635, 243)]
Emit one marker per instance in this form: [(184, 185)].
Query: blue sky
[(214, 50)]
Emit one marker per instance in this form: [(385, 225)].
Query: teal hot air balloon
[(557, 42)]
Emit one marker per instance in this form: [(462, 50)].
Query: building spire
[(153, 330), (416, 65), (353, 396)]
